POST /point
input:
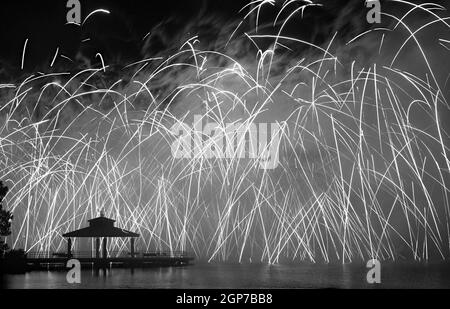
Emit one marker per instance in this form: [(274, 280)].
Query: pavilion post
[(97, 248), (132, 247), (69, 248), (105, 252)]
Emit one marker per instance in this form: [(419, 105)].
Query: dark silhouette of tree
[(5, 220)]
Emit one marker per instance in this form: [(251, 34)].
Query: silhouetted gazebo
[(98, 228)]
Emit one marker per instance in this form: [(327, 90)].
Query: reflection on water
[(402, 275)]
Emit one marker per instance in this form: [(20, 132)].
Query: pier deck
[(154, 259)]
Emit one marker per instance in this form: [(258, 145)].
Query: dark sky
[(43, 23)]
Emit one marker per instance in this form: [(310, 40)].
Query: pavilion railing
[(111, 254)]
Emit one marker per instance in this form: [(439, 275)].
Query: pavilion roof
[(101, 227)]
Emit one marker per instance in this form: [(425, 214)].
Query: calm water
[(402, 275)]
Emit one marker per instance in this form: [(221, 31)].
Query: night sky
[(44, 24)]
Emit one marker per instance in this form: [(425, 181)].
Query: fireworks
[(363, 166)]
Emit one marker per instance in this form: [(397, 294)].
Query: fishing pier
[(100, 230)]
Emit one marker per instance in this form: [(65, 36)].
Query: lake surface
[(244, 276)]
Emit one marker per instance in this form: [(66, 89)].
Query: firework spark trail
[(359, 176)]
